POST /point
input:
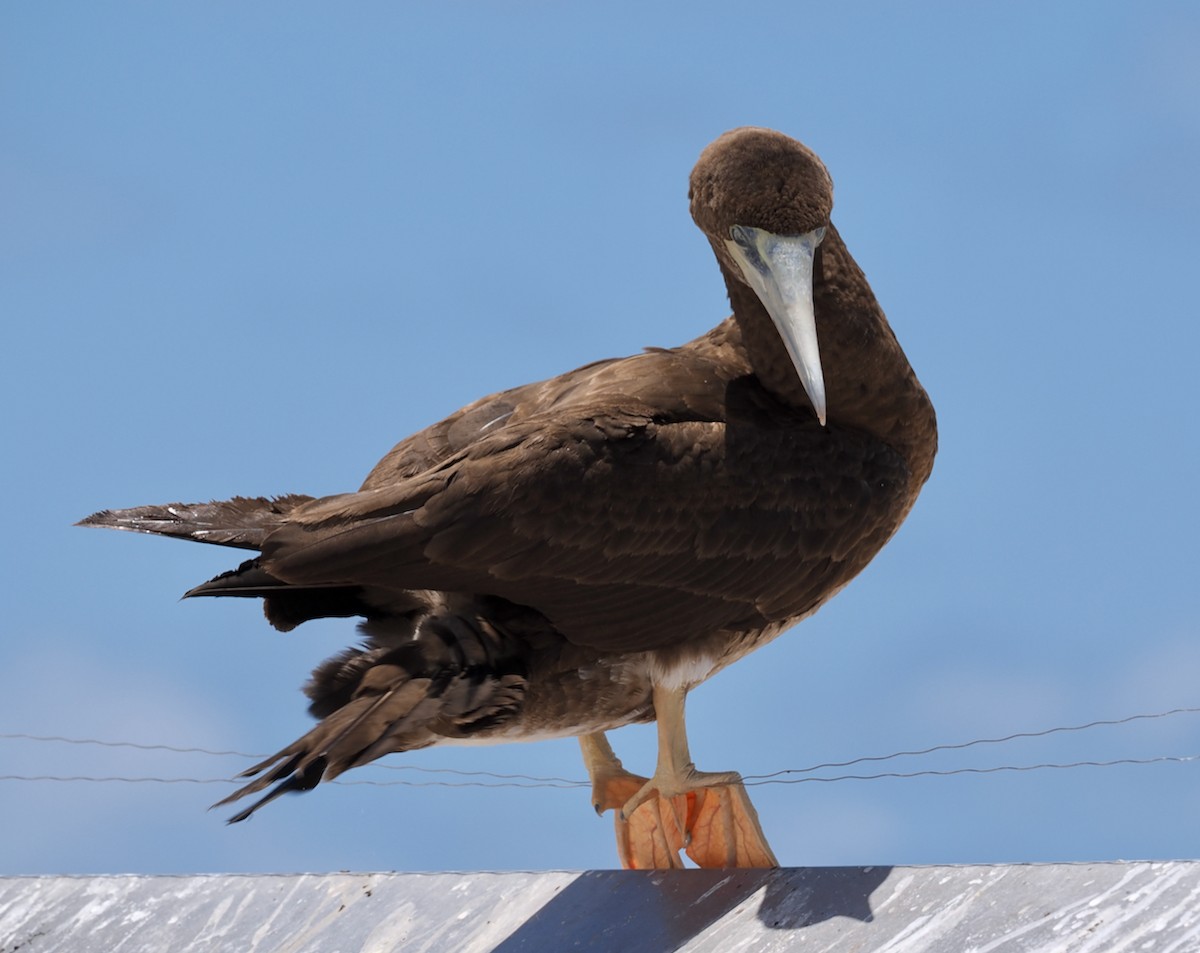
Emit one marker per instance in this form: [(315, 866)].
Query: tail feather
[(287, 606), (429, 671), (242, 522), (444, 674), (249, 580), (297, 782)]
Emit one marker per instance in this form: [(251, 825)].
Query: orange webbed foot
[(716, 826), (706, 815), (723, 829)]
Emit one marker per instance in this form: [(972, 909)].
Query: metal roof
[(1065, 908)]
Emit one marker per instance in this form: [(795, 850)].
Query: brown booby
[(575, 555)]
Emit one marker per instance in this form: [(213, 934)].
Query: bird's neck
[(869, 383)]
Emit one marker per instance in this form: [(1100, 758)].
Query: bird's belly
[(578, 692), (682, 672), (697, 662)]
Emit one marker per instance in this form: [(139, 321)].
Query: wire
[(103, 779), (18, 736), (535, 781), (978, 741), (566, 784), (932, 773), (562, 783)]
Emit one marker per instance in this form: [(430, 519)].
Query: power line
[(568, 784), (140, 779), (949, 772), (959, 746), (536, 781), (105, 779), (20, 736)]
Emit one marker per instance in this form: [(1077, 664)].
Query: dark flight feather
[(242, 522)]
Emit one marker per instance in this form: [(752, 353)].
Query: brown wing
[(666, 383), (478, 420), (627, 530)]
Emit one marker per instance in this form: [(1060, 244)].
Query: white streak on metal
[(1053, 908)]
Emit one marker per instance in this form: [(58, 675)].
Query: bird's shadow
[(660, 911)]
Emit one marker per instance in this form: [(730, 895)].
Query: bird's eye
[(818, 235), (741, 236)]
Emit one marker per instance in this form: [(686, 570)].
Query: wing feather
[(627, 532)]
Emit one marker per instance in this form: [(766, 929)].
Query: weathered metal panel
[(1064, 908)]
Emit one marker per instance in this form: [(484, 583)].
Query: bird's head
[(764, 199)]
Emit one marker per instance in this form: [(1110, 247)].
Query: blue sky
[(246, 250)]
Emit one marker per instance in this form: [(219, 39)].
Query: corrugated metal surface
[(1105, 908)]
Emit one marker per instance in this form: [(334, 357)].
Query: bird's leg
[(653, 838), (719, 824), (612, 785), (675, 773)]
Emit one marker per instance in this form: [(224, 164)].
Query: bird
[(574, 555)]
